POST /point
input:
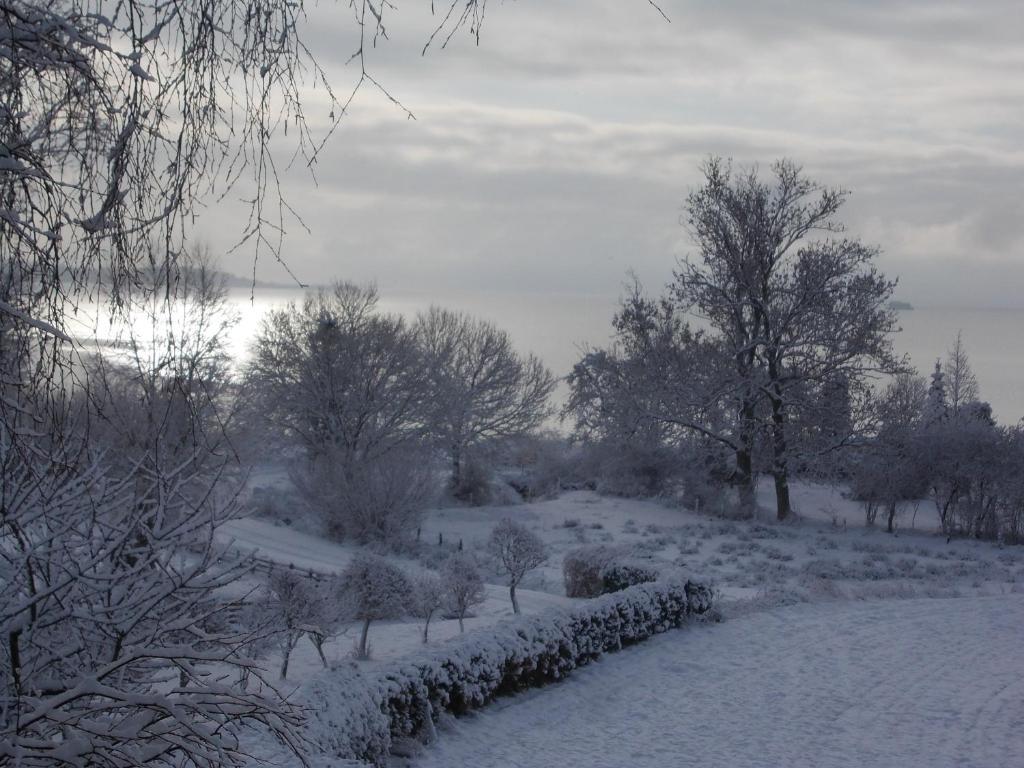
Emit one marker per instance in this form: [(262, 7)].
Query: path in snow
[(885, 684)]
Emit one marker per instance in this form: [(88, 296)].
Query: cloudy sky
[(556, 155)]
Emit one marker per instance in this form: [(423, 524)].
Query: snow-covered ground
[(828, 655), (883, 684)]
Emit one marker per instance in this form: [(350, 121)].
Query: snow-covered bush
[(617, 576), (463, 585), (364, 714), (544, 464), (634, 471), (346, 714), (373, 589), (582, 568), (598, 569), (517, 551)]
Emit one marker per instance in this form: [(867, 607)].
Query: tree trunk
[(515, 603), (782, 503), (461, 628), (892, 516), (456, 465), (745, 481), (318, 643), (745, 460), (284, 664), (779, 465), (362, 640), (426, 629)]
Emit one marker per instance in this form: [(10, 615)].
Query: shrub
[(617, 576), (543, 465), (474, 484), (582, 567), (364, 714), (634, 470), (373, 501)]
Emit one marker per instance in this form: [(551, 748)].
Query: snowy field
[(881, 684), (841, 645)]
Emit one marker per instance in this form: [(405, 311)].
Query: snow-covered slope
[(285, 545), (889, 684)]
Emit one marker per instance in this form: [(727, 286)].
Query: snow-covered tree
[(163, 398), (294, 604), (463, 585), (960, 382), (937, 405), (428, 597), (287, 607), (373, 589), (480, 387), (517, 550), (795, 312), (341, 379), (662, 390), (326, 620), (890, 472), (113, 617)]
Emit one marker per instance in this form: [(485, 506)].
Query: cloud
[(557, 154)]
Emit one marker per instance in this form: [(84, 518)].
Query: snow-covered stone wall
[(361, 714)]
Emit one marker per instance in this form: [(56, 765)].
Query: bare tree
[(428, 597), (517, 550), (480, 388), (119, 116), (294, 604), (890, 472), (287, 606), (338, 377), (661, 385), (163, 396), (372, 589), (960, 382), (375, 501), (463, 585), (796, 312)]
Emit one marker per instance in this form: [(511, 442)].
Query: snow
[(860, 670), (888, 683), (469, 673), (816, 557), (286, 546)]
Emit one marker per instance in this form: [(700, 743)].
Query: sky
[(555, 156)]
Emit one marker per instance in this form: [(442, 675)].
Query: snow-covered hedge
[(597, 569), (359, 715)]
